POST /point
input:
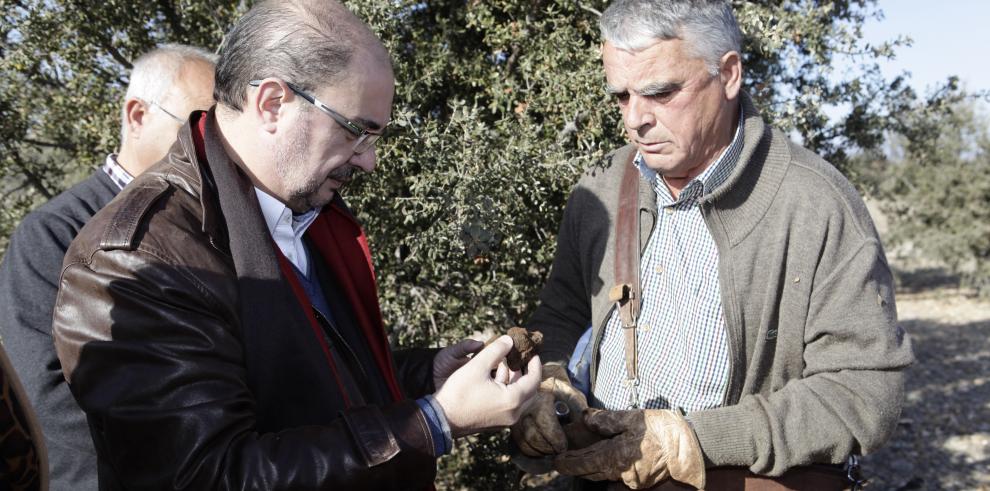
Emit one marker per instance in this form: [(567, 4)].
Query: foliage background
[(499, 108)]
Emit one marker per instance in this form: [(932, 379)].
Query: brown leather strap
[(626, 292), (807, 478)]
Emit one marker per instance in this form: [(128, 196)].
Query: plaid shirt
[(681, 338), (117, 174)]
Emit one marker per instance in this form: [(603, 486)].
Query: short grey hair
[(155, 71), (708, 27), (309, 43)]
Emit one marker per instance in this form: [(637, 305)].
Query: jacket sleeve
[(414, 369), (848, 398), (564, 311), (154, 359), (28, 284)]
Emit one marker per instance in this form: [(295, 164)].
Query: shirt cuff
[(437, 421)]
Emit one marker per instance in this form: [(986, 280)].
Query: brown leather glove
[(642, 448), (538, 432)]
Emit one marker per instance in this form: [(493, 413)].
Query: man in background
[(166, 84)]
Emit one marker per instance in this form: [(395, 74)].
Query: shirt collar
[(710, 178), (278, 216), (117, 174)]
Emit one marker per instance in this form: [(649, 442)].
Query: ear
[(134, 113), (267, 103), (730, 73)]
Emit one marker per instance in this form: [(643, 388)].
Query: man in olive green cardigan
[(767, 336)]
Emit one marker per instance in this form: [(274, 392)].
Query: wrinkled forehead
[(664, 60)]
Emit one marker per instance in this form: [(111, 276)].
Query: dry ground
[(943, 439)]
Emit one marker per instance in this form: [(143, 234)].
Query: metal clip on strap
[(624, 296)]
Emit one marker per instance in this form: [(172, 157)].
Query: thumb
[(528, 383), (607, 423), (494, 353)]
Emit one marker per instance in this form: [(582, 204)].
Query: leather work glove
[(642, 448), (539, 432)]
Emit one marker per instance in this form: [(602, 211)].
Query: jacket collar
[(189, 172), (746, 195)]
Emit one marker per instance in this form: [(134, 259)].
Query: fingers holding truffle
[(525, 345)]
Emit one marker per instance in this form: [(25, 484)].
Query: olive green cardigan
[(817, 358)]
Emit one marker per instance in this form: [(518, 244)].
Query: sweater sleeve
[(849, 397), (564, 311), (28, 285)]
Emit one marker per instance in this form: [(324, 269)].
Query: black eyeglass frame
[(365, 138)]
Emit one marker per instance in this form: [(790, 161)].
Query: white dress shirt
[(287, 229)]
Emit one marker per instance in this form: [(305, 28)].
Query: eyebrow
[(652, 88), (655, 88), (613, 90)]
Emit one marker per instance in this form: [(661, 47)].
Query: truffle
[(525, 345)]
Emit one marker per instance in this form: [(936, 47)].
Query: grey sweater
[(817, 358), (28, 285)]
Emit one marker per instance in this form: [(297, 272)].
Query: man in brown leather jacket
[(218, 321)]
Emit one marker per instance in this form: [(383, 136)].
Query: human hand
[(642, 448), (473, 401), (539, 432), (449, 359)]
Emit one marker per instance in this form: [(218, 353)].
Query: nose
[(365, 160), (638, 113)]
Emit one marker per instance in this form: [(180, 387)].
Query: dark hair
[(306, 42)]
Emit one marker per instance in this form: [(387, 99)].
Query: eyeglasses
[(166, 111), (365, 138)]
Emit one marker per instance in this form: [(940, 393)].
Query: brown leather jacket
[(194, 360)]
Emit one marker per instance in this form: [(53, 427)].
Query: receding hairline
[(311, 43), (353, 27)]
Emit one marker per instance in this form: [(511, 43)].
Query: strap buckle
[(623, 296)]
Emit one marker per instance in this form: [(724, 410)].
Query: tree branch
[(63, 146), (105, 43), (168, 10), (510, 63), (589, 9), (36, 182)]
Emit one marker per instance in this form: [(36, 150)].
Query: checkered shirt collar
[(707, 181), (117, 174)]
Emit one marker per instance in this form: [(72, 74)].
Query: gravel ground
[(943, 439)]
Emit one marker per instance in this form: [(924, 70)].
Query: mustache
[(342, 174)]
